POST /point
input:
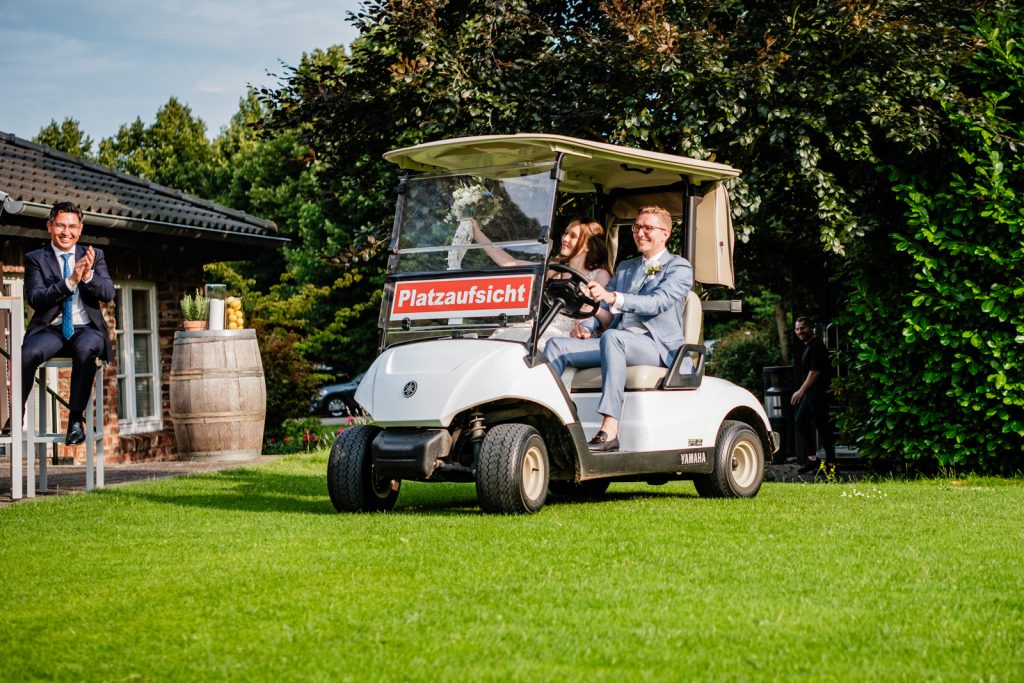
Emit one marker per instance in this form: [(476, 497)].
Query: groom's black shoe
[(76, 433), (602, 444)]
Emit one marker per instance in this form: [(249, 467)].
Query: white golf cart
[(460, 390)]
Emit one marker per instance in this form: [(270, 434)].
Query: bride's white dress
[(561, 326)]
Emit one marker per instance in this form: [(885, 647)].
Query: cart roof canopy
[(586, 164), (645, 177)]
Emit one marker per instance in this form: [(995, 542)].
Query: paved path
[(62, 479)]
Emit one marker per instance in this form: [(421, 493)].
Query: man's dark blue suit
[(45, 292)]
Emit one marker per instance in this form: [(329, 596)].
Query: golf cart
[(460, 390)]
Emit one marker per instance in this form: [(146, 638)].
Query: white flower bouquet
[(474, 201), (469, 202)]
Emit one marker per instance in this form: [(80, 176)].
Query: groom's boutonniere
[(653, 269)]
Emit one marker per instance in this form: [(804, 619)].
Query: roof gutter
[(36, 210)]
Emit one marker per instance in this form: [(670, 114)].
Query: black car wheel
[(336, 407)]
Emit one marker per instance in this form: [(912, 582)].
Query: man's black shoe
[(76, 433), (602, 444)]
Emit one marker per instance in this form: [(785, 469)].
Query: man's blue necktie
[(67, 325)]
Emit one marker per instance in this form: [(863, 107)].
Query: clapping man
[(64, 284), (642, 308)]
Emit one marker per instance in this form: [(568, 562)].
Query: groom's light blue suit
[(648, 330)]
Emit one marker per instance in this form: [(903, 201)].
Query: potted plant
[(194, 308)]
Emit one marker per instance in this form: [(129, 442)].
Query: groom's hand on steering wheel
[(599, 293)]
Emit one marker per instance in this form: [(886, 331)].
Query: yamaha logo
[(693, 458), (409, 389)]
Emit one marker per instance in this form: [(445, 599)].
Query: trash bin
[(778, 389)]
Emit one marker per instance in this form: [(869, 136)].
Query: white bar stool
[(38, 436), (14, 324)]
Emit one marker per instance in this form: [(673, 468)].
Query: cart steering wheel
[(570, 292)]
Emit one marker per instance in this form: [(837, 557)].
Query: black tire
[(336, 407), (592, 488), (351, 481), (512, 473), (739, 464)]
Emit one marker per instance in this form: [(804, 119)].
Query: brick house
[(156, 240)]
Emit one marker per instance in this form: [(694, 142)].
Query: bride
[(582, 248)]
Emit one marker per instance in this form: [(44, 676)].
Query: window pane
[(122, 407), (140, 309), (142, 356), (143, 397), (118, 305), (121, 367)]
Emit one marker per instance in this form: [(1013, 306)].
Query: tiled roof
[(40, 176)]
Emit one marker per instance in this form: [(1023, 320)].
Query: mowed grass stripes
[(250, 575)]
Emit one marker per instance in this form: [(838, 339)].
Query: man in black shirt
[(811, 400)]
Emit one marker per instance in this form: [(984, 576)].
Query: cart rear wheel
[(351, 480), (739, 464), (512, 473)]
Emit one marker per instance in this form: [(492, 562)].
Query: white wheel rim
[(744, 463), (534, 465)]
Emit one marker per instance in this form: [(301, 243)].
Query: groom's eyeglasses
[(648, 229)]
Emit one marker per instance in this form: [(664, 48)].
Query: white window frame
[(131, 423)]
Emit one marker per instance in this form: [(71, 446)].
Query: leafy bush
[(306, 434), (291, 379), (741, 355), (942, 361)]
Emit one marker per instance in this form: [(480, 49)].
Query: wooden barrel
[(218, 395)]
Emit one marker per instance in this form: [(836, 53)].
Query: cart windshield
[(468, 254)]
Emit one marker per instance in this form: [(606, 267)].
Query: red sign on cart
[(467, 297)]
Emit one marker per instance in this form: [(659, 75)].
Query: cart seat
[(639, 377)]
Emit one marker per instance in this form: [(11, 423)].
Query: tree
[(173, 151), (332, 302), (807, 102), (66, 136)]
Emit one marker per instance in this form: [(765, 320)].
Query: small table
[(15, 332)]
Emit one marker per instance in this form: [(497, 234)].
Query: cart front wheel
[(512, 473), (351, 480)]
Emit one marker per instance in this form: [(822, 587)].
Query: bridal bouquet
[(474, 201), (469, 201)]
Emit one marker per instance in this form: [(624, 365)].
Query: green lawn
[(249, 575)]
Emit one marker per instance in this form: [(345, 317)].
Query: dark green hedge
[(939, 366)]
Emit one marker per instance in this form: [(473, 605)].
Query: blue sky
[(106, 62)]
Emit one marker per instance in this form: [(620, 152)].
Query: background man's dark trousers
[(812, 414)]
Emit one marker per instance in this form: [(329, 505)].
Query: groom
[(642, 307)]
